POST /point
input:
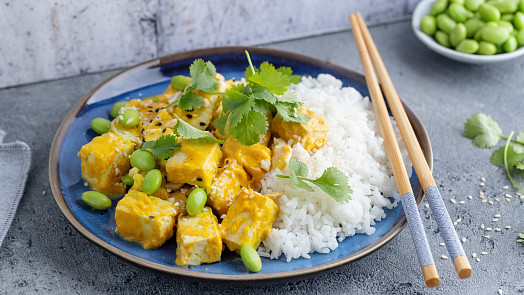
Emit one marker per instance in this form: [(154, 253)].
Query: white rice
[(315, 222)]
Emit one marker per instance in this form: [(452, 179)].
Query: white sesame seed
[(497, 229), (508, 227), (481, 196), (519, 241), (482, 184), (455, 223), (522, 197), (474, 255), (427, 205), (442, 244), (500, 291), (483, 179), (484, 253), (470, 197), (508, 199), (490, 202), (44, 193), (497, 199), (518, 193), (495, 219), (481, 192), (497, 216), (444, 257), (452, 200), (462, 202), (478, 259), (488, 228), (85, 183), (482, 226), (463, 240), (459, 220), (508, 196), (484, 201), (487, 237), (505, 187)]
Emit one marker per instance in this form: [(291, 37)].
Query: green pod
[(505, 6), (461, 2), (473, 5), (472, 26), (442, 39), (196, 201), (495, 35), (439, 7), (506, 25), (518, 20), (129, 118), (486, 48), (116, 108), (128, 180), (489, 13), (510, 45), (520, 37), (96, 200), (478, 36), (100, 125), (143, 160), (459, 13), (521, 6), (507, 17), (152, 182), (468, 46), (180, 82), (250, 258), (457, 35), (428, 25), (445, 23), (153, 98)]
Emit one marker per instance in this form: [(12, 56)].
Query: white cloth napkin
[(15, 160)]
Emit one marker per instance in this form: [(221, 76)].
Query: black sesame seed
[(151, 217), (151, 121), (163, 130), (157, 109), (199, 179), (189, 116), (202, 124), (159, 124)]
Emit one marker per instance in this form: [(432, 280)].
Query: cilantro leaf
[(249, 128), (274, 81), (514, 158), (334, 183), (203, 75), (519, 148), (483, 129), (189, 100), (163, 147), (243, 108), (185, 130), (295, 79), (221, 123), (298, 168), (287, 112), (261, 93)]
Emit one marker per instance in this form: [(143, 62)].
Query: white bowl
[(423, 8)]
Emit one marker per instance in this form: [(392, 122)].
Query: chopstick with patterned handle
[(445, 225), (407, 198)]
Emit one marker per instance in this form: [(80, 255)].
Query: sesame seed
[(497, 216), (500, 291), (442, 244), (483, 179), (484, 201), (474, 255), (508, 199), (482, 226), (518, 193), (462, 202), (497, 199), (452, 201), (478, 259), (481, 192), (487, 237), (455, 223), (85, 183), (481, 196), (505, 187), (470, 197), (44, 193), (522, 197), (444, 257), (519, 241), (484, 253), (495, 219), (427, 205), (488, 228), (508, 196), (463, 240), (458, 220), (490, 202), (482, 184), (497, 229), (508, 227)]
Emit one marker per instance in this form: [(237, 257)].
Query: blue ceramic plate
[(152, 77)]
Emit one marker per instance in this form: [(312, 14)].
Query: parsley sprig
[(245, 106), (486, 133), (185, 130), (163, 147), (332, 181)]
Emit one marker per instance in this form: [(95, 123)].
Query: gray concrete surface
[(44, 254)]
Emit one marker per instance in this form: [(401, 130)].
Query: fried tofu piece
[(104, 161), (311, 135), (226, 184), (256, 158), (249, 220), (138, 179), (133, 134), (198, 239), (194, 163), (146, 220), (161, 124), (281, 154)]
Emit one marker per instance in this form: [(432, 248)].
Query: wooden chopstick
[(460, 261), (399, 171)]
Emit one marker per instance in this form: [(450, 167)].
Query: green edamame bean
[(505, 6), (486, 48), (510, 45), (473, 5), (495, 35), (491, 25), (428, 25), (116, 108), (96, 200), (153, 98), (457, 35), (518, 20), (459, 13), (445, 23), (100, 125), (478, 36), (489, 13), (506, 25), (143, 160), (128, 180), (196, 201), (152, 181), (439, 7), (442, 39), (520, 37), (472, 26), (507, 17), (521, 6), (180, 82), (129, 118), (468, 46), (250, 258), (461, 2)]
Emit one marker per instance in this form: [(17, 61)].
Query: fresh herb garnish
[(332, 181), (185, 130), (245, 106), (486, 133), (163, 147), (521, 238)]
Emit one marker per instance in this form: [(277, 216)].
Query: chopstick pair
[(366, 46)]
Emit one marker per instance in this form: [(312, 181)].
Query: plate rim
[(244, 279)]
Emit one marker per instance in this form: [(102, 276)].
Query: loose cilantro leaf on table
[(521, 238), (163, 147), (483, 129), (332, 181), (185, 130)]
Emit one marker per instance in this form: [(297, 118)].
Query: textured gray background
[(50, 39), (42, 253)]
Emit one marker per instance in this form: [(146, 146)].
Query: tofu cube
[(226, 184), (311, 135), (104, 161), (198, 239), (281, 154), (146, 220), (194, 163), (256, 158), (200, 118), (161, 124), (249, 220)]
